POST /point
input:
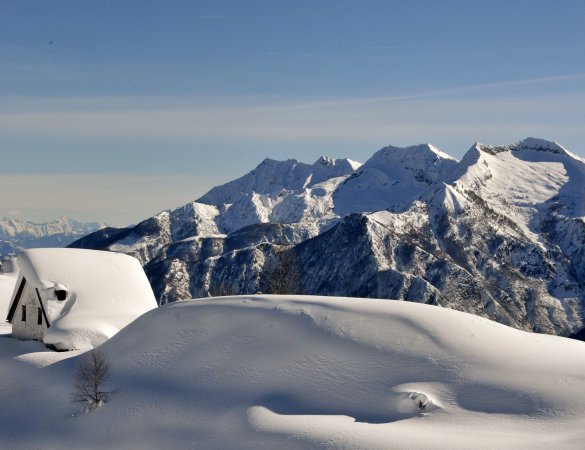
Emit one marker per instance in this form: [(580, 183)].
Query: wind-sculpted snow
[(500, 234), (268, 372)]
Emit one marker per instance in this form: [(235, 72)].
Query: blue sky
[(115, 110)]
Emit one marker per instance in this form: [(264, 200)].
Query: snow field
[(299, 371)]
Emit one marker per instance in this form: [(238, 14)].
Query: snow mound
[(269, 372), (105, 291), (299, 371), (7, 283)]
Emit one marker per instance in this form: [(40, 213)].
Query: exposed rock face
[(500, 234)]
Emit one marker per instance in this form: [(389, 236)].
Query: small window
[(61, 294), (24, 313), (39, 316)]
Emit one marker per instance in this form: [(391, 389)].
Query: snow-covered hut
[(75, 298)]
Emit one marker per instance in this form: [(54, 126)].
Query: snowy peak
[(326, 167), (344, 164), (270, 175), (426, 163), (428, 151), (528, 144), (393, 178), (526, 182), (324, 161), (539, 145), (273, 176), (538, 156)]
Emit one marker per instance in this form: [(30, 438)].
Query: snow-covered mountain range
[(18, 234), (500, 234)]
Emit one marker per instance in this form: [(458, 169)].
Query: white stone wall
[(29, 329)]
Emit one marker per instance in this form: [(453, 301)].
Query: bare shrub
[(92, 372)]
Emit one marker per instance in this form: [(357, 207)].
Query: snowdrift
[(297, 372), (7, 283)]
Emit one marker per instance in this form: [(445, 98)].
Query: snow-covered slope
[(393, 178), (500, 234), (524, 180), (304, 372), (17, 234), (275, 176), (7, 281), (281, 191)]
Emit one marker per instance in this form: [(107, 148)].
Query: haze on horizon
[(114, 111)]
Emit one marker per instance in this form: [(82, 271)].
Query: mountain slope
[(393, 178), (272, 176), (500, 234)]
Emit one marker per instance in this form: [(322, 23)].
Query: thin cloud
[(409, 47), (473, 108), (219, 17), (334, 120), (480, 88), (279, 54)]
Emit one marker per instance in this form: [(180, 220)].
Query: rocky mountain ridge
[(500, 233)]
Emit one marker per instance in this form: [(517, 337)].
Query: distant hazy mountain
[(17, 234), (500, 234)]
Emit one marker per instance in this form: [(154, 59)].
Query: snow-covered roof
[(105, 291)]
